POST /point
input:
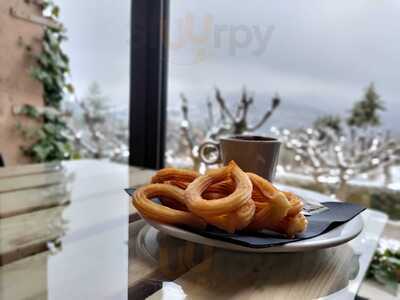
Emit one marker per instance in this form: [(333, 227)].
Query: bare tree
[(343, 149), (326, 154), (222, 122)]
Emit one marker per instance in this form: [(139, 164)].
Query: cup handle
[(203, 156)]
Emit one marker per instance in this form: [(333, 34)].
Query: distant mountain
[(292, 113)]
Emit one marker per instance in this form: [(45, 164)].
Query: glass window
[(98, 46), (308, 62)]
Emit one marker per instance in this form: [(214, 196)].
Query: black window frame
[(148, 83)]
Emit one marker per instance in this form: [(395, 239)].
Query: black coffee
[(253, 138)]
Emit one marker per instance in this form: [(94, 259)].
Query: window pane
[(318, 58), (99, 47)]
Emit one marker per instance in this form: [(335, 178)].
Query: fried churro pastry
[(275, 210), (161, 213), (234, 210), (219, 190), (292, 225), (226, 198), (270, 216), (242, 193), (174, 176), (295, 203)]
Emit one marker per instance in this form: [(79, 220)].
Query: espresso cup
[(256, 154)]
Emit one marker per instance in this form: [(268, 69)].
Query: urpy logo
[(194, 39)]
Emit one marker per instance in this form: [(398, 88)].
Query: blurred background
[(320, 76)]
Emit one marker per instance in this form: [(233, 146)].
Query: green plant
[(388, 202), (365, 112), (49, 141), (51, 69), (385, 268), (331, 122)]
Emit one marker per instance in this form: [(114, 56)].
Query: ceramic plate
[(337, 236)]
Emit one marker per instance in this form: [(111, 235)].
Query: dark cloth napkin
[(337, 213)]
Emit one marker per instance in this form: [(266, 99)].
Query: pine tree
[(96, 102), (365, 112), (329, 121)]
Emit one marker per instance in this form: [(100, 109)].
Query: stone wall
[(16, 85)]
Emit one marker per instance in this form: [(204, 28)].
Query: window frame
[(148, 83)]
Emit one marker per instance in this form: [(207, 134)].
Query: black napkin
[(337, 213)]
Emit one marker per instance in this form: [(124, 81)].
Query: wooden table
[(68, 231)]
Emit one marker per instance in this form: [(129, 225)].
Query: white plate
[(337, 236)]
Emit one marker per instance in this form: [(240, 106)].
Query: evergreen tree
[(332, 122), (96, 103), (365, 112)]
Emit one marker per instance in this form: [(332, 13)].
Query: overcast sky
[(98, 45), (318, 55)]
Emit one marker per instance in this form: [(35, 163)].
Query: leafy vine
[(49, 142)]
